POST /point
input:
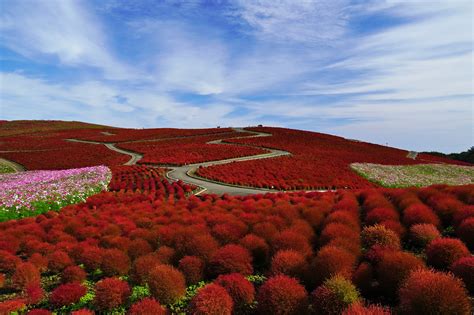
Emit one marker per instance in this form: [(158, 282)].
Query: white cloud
[(60, 28), (308, 21)]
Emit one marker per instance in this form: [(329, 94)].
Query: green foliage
[(40, 207), (139, 293), (256, 279), (6, 169), (182, 304)]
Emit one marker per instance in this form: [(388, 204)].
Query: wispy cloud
[(384, 71), (62, 29)]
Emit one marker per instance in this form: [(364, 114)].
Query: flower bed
[(30, 193), (415, 175)]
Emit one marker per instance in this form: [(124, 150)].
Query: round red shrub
[(379, 235), (291, 240), (142, 267), (331, 261), (229, 259), (147, 306), (394, 268), (73, 274), (345, 217), (336, 294), (282, 295), (10, 306), (166, 284), (67, 294), (394, 226), (257, 247), (265, 230), (110, 293), (202, 246), (2, 280), (431, 292), (139, 247), (351, 245), (290, 263), (25, 274), (419, 214), (378, 215), (165, 255), (462, 214), (34, 293), (211, 300), (8, 262), (465, 231), (441, 253), (58, 260), (359, 309), (39, 311), (422, 234), (193, 269), (39, 261), (337, 230), (239, 288), (82, 312), (464, 269), (115, 262), (89, 256)]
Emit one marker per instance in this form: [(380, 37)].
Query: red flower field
[(141, 245)]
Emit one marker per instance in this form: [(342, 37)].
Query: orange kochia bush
[(160, 239)]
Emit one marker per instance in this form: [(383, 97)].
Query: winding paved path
[(186, 173), (17, 167)]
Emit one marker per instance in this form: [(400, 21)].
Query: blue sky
[(396, 72)]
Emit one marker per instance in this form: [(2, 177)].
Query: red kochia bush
[(330, 261), (39, 261), (240, 289), (39, 312), (58, 260), (166, 284), (115, 262), (394, 268), (229, 259), (290, 263), (379, 235), (73, 274), (363, 277), (10, 306), (291, 240), (418, 214), (378, 215), (83, 312), (25, 275), (282, 295), (464, 269), (441, 253), (359, 309), (430, 292), (67, 294), (110, 293), (146, 306), (336, 294), (465, 231), (34, 293), (2, 280), (139, 247), (211, 300), (423, 234), (8, 262), (257, 247), (90, 256), (193, 269)]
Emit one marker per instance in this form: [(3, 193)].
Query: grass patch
[(4, 169), (421, 175)]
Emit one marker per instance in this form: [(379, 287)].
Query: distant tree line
[(466, 156)]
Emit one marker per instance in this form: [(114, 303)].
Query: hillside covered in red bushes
[(146, 246)]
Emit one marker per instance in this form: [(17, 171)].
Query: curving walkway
[(186, 173), (17, 167)]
